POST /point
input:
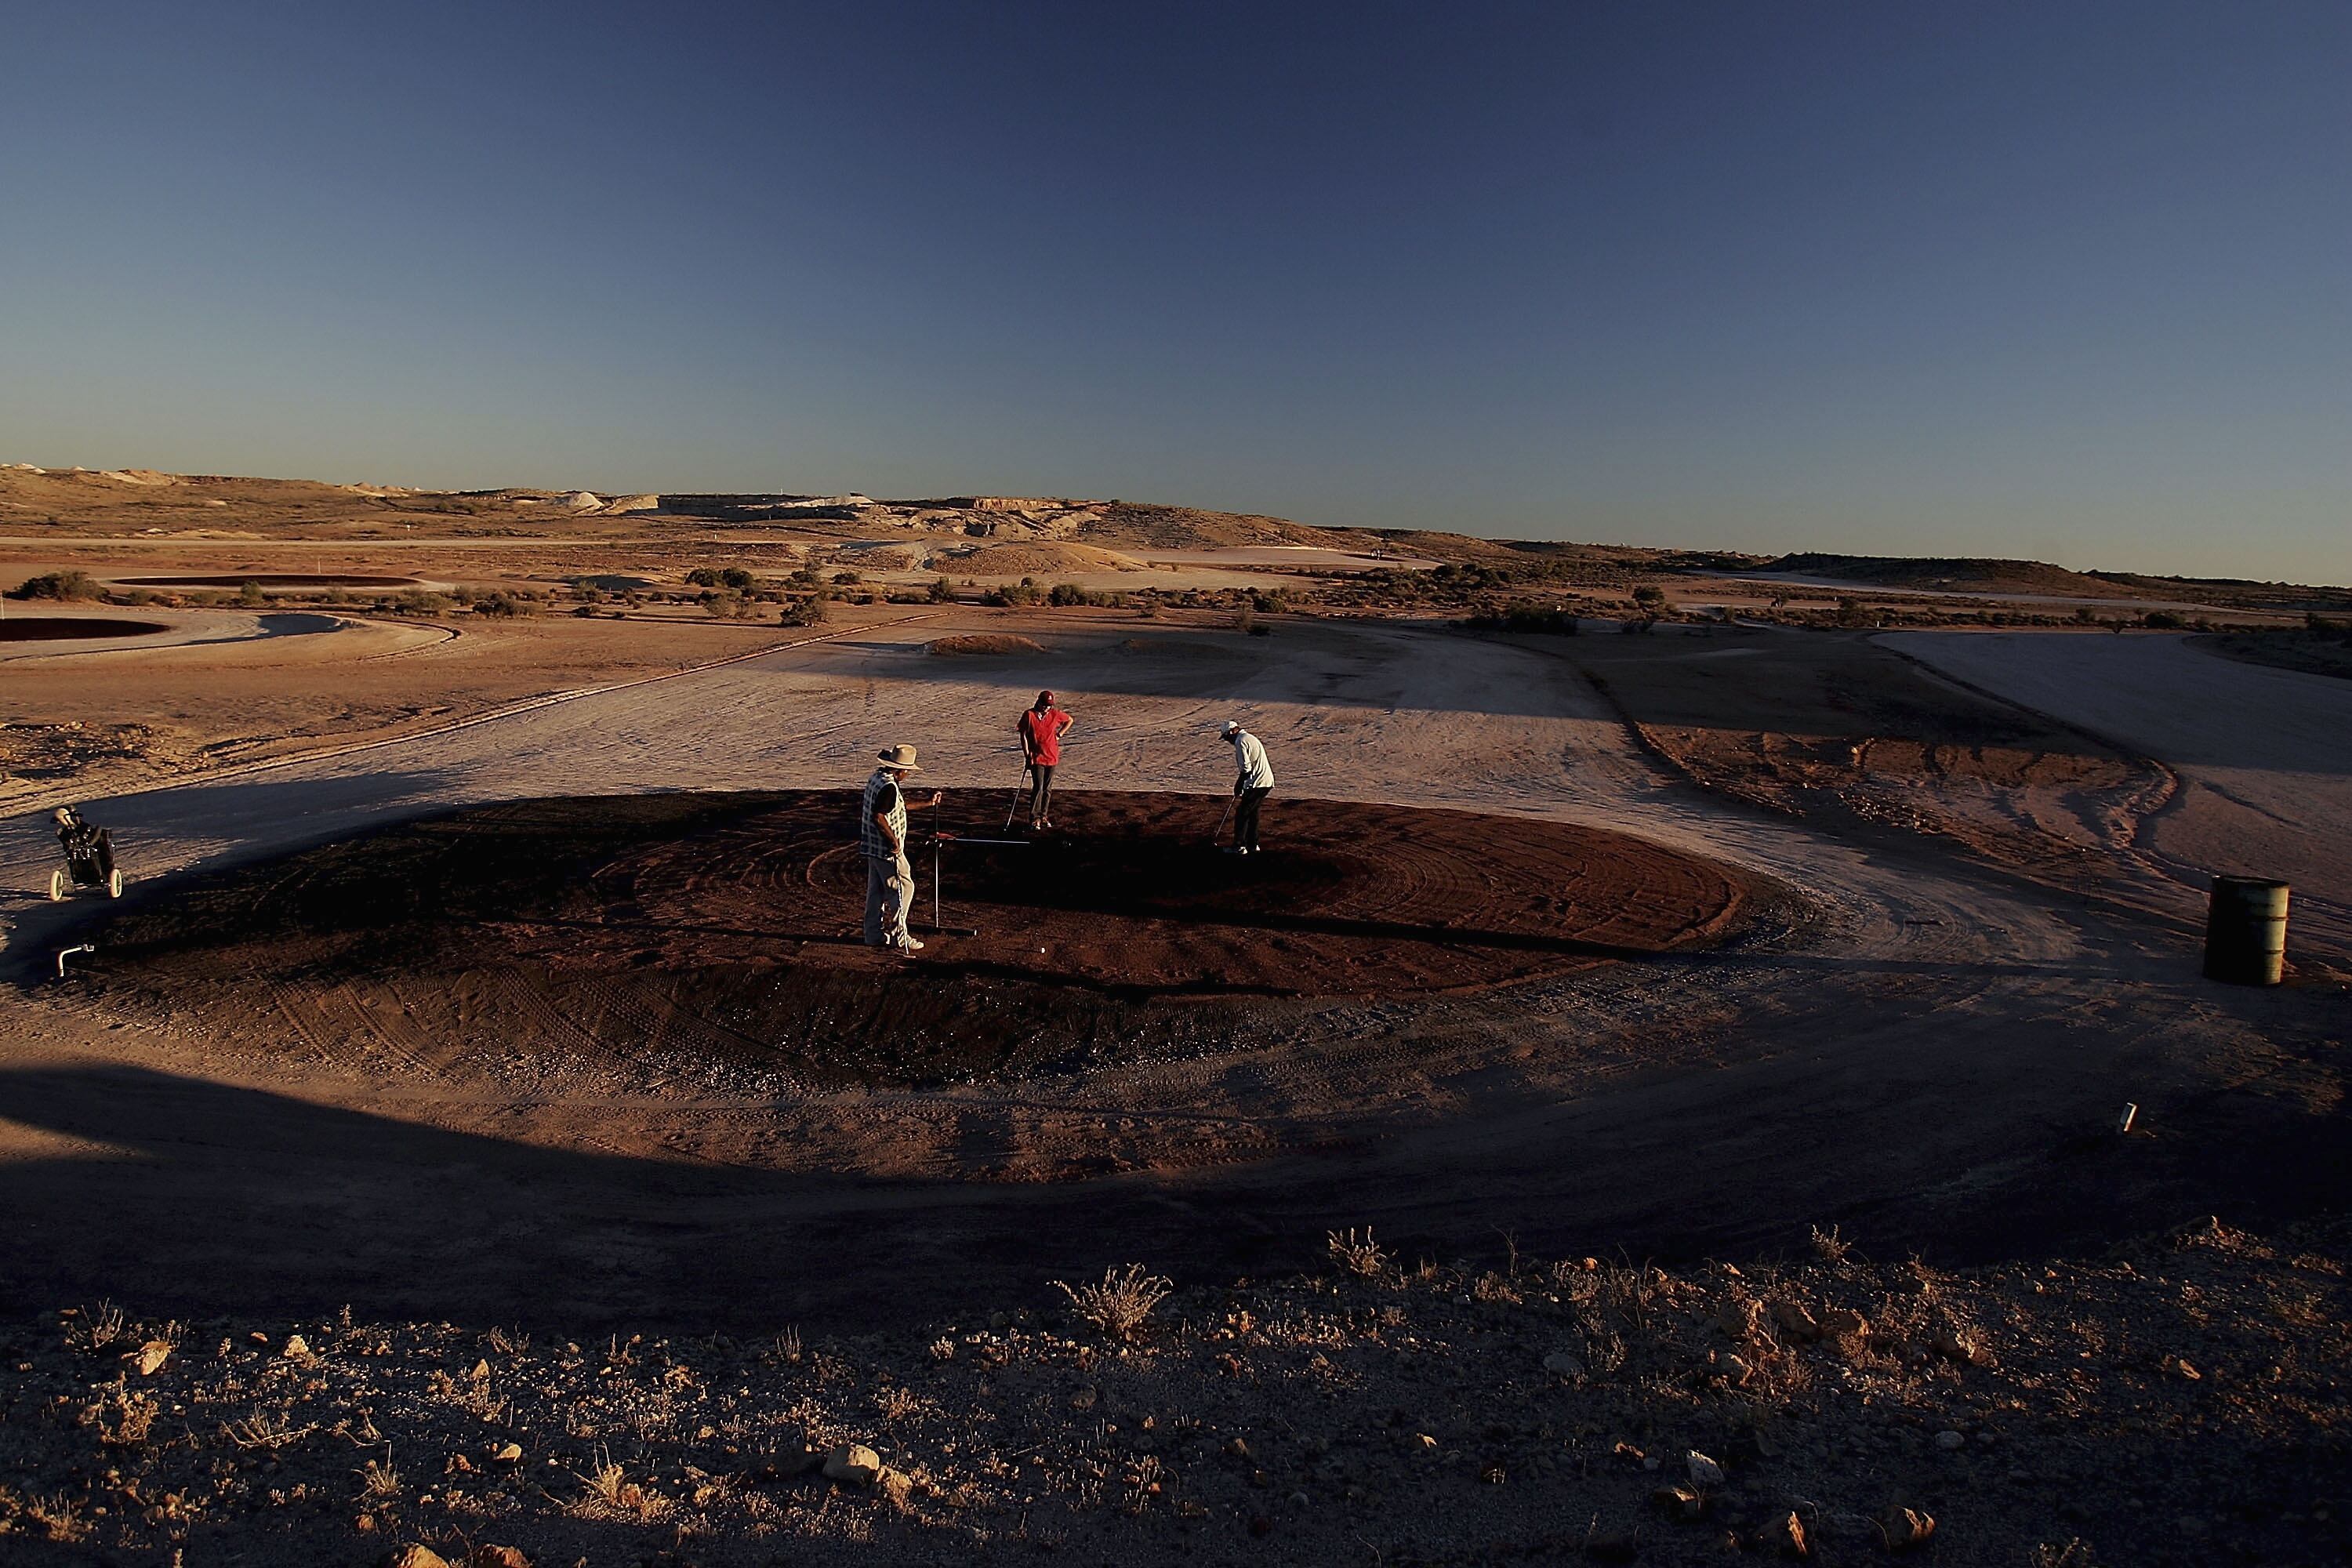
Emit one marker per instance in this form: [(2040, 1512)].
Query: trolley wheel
[(56, 886), (114, 884)]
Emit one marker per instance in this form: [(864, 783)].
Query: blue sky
[(2066, 281)]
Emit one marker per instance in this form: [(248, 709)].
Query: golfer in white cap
[(882, 835), (1253, 782)]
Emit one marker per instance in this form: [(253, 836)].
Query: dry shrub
[(1358, 1255), (58, 1514), (1829, 1246), (611, 1495), (94, 1329), (1121, 1304), (975, 644), (267, 1429), (379, 1482), (123, 1418)]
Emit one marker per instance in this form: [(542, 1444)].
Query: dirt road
[(1928, 1054)]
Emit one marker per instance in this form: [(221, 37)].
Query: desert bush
[(724, 606), (379, 1482), (57, 585), (1122, 1303), (1526, 615), (2162, 621), (810, 611), (266, 1429), (1065, 594), (847, 579), (420, 602), (1829, 1246), (1358, 1255), (504, 605), (249, 593), (1649, 595), (95, 1329), (942, 591)]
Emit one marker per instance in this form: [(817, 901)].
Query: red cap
[(1044, 699)]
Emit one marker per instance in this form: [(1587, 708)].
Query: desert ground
[(1722, 1030)]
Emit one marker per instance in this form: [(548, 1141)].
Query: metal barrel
[(2245, 930)]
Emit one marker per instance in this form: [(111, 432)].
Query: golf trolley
[(90, 858)]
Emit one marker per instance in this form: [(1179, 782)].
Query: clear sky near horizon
[(2068, 281)]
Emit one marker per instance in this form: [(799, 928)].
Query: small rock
[(1424, 1441), (896, 1485), (1653, 1463), (1679, 1503), (854, 1463), (1734, 1366), (1795, 1320), (507, 1454), (1840, 1323), (1561, 1364), (2188, 1372), (364, 1524), (1703, 1471), (152, 1355), (481, 1372), (415, 1556), (1965, 1351), (296, 1345), (458, 1465), (1905, 1528), (1951, 1441)]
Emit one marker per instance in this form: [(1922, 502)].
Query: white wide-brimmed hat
[(899, 757)]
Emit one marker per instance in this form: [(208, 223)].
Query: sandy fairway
[(2263, 756), (1924, 1048)]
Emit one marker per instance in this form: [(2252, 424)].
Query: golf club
[(1228, 817), (1014, 806), (940, 841)]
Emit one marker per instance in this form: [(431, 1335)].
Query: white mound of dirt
[(1044, 555), (138, 476), (619, 504), (583, 500)]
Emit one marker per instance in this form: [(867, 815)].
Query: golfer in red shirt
[(1041, 728)]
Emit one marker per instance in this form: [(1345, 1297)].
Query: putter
[(1014, 805), (1228, 817)]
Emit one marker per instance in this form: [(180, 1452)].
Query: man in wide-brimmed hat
[(882, 835)]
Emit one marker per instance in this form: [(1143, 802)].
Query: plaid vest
[(869, 837)]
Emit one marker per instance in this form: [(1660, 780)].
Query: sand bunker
[(637, 929), (67, 628)]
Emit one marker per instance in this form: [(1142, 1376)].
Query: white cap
[(1232, 727)]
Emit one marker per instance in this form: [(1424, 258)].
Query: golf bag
[(89, 856)]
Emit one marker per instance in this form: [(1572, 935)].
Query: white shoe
[(908, 945)]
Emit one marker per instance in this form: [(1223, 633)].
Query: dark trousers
[(1040, 791), (1245, 817)]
